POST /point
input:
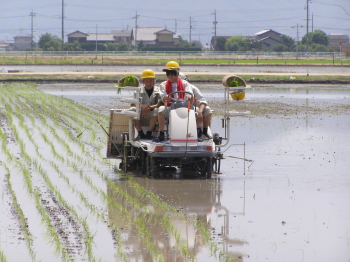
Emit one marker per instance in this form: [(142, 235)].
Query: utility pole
[(190, 28), (307, 25), (297, 37), (215, 22), (32, 29), (312, 24), (175, 26), (96, 42), (62, 24), (136, 30)]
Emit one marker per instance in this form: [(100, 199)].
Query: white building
[(23, 41)]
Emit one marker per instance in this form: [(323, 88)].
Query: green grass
[(115, 60)]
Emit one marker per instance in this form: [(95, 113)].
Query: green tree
[(316, 37), (75, 46), (319, 48), (140, 45), (123, 47), (235, 43), (185, 43), (252, 44), (48, 42), (220, 43), (288, 41), (280, 48)]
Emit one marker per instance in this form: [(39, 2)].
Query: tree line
[(48, 42), (318, 42)]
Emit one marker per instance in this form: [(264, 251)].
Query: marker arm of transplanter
[(248, 160), (86, 128), (109, 138)]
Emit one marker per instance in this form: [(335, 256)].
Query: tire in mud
[(209, 167), (152, 166)]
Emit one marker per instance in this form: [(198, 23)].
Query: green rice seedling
[(20, 214), (128, 80), (2, 256), (76, 159)]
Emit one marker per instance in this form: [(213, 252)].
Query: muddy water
[(290, 204)]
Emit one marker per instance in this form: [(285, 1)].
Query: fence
[(180, 55)]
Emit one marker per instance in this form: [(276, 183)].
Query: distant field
[(192, 78), (113, 60)]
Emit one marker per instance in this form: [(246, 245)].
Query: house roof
[(265, 31), (274, 39), (77, 31), (145, 33), (23, 35), (345, 37), (121, 33), (100, 37), (164, 32)]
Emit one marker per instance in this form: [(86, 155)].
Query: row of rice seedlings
[(4, 148), (54, 118), (20, 214), (146, 235), (87, 240), (142, 193), (2, 256), (87, 236), (129, 198), (176, 237), (46, 218)]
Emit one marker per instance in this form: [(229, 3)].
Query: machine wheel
[(144, 163), (209, 167), (125, 153), (151, 167)]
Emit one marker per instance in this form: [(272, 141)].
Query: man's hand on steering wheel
[(169, 98)]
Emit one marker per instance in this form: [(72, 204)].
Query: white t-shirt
[(174, 87)]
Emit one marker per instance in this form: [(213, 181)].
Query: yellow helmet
[(238, 94), (148, 73), (171, 65)]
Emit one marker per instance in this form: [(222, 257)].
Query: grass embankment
[(113, 78), (117, 60)]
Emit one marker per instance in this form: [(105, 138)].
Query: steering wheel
[(177, 92)]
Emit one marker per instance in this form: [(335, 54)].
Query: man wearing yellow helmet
[(150, 104), (174, 83)]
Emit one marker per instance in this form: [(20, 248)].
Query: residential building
[(121, 36), (23, 41), (339, 43), (100, 38), (77, 36), (154, 36), (269, 38), (7, 45)]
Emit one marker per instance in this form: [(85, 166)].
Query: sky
[(233, 17)]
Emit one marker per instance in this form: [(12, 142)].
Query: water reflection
[(199, 200)]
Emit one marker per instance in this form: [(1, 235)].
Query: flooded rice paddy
[(62, 201)]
